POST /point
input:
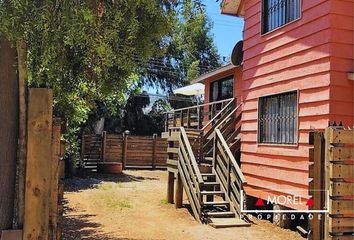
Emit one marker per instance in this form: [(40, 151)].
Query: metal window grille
[(278, 119), (279, 12)]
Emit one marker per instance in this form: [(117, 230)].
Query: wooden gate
[(332, 169)]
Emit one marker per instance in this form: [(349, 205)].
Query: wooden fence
[(332, 169), (131, 151), (40, 188)]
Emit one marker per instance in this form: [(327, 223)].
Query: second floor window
[(279, 12)]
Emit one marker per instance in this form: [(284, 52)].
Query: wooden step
[(208, 174), (211, 183), (220, 214), (215, 203), (228, 222), (219, 193)]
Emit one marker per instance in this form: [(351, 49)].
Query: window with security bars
[(279, 12), (277, 120)]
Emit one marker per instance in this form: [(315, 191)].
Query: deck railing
[(226, 123), (190, 174), (227, 171), (194, 117)]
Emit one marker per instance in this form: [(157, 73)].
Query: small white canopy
[(191, 90)]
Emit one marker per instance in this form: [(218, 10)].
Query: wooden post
[(38, 174), (188, 118), (82, 148), (170, 187), (125, 149), (154, 143), (9, 106), (182, 120), (199, 125), (103, 146), (317, 183), (179, 192), (22, 141), (166, 122), (174, 118), (228, 176), (56, 152)]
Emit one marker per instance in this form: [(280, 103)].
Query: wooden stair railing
[(226, 123), (227, 172), (193, 117), (190, 174)]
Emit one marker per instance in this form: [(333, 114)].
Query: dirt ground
[(133, 206)]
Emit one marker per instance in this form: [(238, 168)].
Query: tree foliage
[(189, 49), (84, 49)]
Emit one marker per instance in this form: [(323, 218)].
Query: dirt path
[(133, 206)]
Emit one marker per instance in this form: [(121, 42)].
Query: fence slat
[(38, 174)]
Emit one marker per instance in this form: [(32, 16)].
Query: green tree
[(189, 48), (84, 50)]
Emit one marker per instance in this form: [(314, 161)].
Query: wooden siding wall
[(303, 56), (342, 61)]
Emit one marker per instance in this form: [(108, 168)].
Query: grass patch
[(112, 203), (105, 186), (164, 201), (109, 186)]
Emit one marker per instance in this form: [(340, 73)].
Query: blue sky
[(227, 30)]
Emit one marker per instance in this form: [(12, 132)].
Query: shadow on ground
[(90, 180), (77, 227)]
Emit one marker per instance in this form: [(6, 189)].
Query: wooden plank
[(343, 237), (53, 214), (125, 149), (172, 150), (11, 235), (170, 186), (22, 139), (345, 207), (341, 136), (103, 146), (38, 174), (61, 169), (341, 189), (342, 224), (327, 135), (179, 192), (317, 229), (342, 153), (172, 162), (9, 130), (311, 170), (172, 169), (311, 154), (153, 163), (340, 171)]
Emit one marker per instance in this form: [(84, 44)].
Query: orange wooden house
[(296, 76), (300, 52)]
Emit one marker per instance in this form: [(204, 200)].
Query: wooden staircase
[(91, 155), (216, 208), (207, 168)]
